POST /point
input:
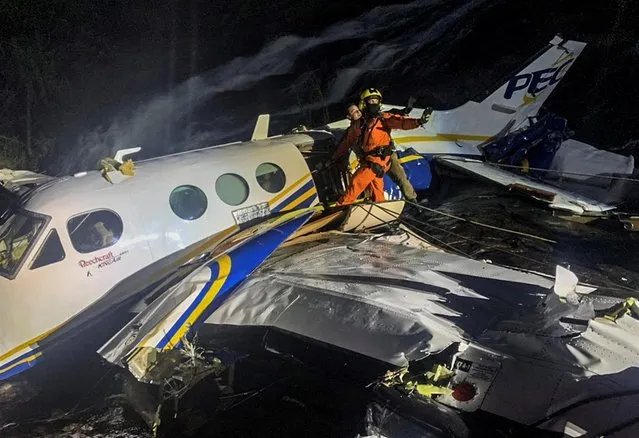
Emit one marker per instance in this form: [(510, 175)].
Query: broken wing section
[(386, 301), (557, 198), (176, 314)]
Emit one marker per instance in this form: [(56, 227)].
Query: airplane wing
[(385, 301), (556, 197), (495, 328), (175, 314), (397, 304)]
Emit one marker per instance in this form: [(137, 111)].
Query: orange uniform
[(376, 149), (348, 141)]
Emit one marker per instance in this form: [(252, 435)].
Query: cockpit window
[(94, 230), (17, 235), (51, 251)]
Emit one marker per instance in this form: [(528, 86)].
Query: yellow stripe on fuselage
[(25, 360), (29, 342), (225, 268), (409, 158), (198, 250), (307, 194), (288, 190)]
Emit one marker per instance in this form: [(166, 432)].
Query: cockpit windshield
[(17, 235)]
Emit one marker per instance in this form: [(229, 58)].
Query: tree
[(32, 84)]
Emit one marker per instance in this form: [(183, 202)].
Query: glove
[(425, 116)]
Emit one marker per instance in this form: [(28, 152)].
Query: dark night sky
[(108, 56)]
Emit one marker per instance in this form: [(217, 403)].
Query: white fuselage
[(139, 232)]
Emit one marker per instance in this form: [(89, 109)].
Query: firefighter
[(373, 136)]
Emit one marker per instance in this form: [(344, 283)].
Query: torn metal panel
[(568, 336), (599, 174), (608, 347), (165, 324), (557, 198), (557, 367), (509, 335), (390, 302), (11, 178)]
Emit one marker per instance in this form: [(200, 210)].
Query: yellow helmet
[(369, 92)]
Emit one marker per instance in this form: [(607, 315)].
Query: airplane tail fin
[(512, 103), (529, 89), (260, 132)]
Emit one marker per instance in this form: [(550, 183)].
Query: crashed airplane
[(503, 139), (146, 262)]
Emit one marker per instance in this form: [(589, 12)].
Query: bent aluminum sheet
[(589, 171), (601, 364), (387, 301), (563, 199)]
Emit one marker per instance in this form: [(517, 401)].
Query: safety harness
[(380, 151)]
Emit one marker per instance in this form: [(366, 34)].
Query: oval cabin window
[(232, 188), (188, 202), (270, 177), (94, 230)]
